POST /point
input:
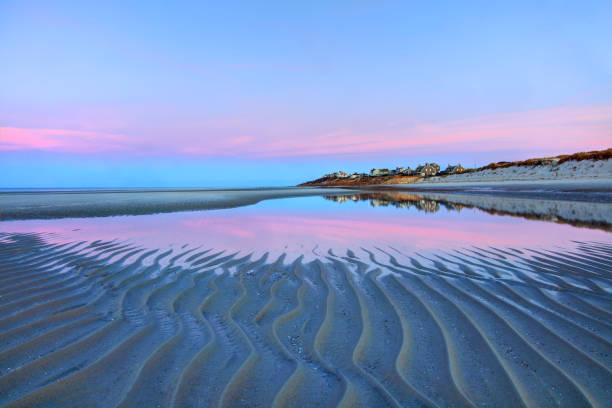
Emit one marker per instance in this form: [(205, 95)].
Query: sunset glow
[(323, 87)]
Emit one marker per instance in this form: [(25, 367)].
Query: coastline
[(582, 202), (590, 171), (574, 183), (196, 320), (104, 203)]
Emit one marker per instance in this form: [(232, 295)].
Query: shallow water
[(352, 301)]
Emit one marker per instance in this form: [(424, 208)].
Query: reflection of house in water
[(398, 200), (591, 214), (428, 205), (453, 206), (375, 202), (343, 198)]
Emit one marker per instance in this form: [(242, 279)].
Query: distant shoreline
[(95, 203), (593, 168)]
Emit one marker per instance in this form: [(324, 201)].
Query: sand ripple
[(114, 324)]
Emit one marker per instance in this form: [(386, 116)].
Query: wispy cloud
[(559, 129), (64, 140), (570, 128)]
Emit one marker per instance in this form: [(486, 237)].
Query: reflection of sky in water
[(300, 225)]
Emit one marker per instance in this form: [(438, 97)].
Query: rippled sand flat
[(113, 324)]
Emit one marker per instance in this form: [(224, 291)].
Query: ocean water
[(320, 300)]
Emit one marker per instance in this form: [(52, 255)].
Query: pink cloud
[(565, 128), (66, 140), (553, 130)]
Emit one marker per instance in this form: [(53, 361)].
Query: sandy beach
[(297, 204), (105, 324), (542, 187), (592, 173), (103, 203), (464, 308)]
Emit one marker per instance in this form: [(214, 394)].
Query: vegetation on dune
[(329, 180), (359, 181), (592, 155)]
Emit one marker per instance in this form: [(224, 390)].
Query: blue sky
[(273, 93)]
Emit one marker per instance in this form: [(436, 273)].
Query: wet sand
[(592, 190), (113, 324), (15, 205)]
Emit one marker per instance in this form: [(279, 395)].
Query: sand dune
[(111, 324), (572, 171)]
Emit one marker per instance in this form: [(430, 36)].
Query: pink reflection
[(297, 233)]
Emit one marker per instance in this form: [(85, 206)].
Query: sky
[(208, 94)]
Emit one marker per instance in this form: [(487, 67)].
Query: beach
[(305, 204), (385, 300), (539, 187), (36, 204), (589, 172)]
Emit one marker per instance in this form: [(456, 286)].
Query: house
[(454, 169), (427, 170), (403, 170), (379, 172), (341, 174)]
